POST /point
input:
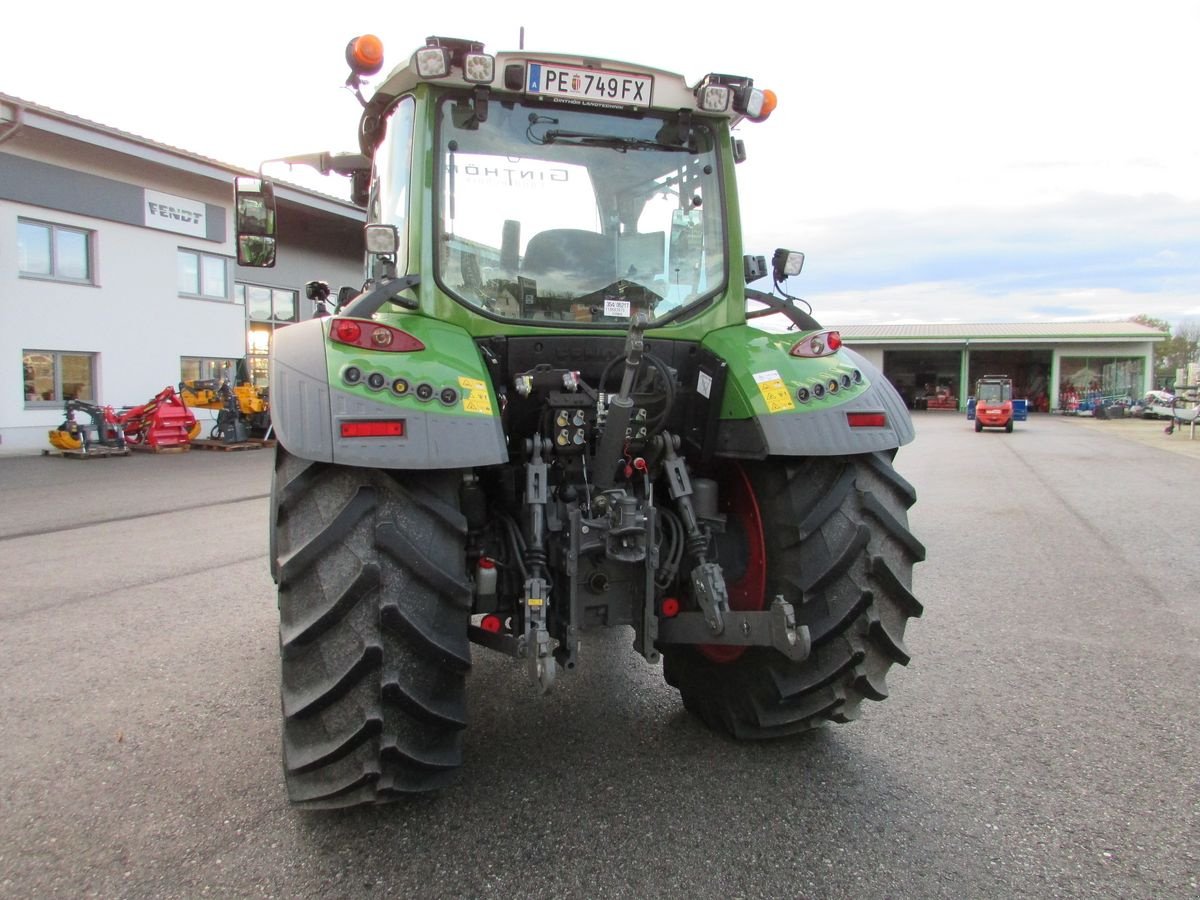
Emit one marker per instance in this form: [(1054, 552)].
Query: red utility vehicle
[(994, 403)]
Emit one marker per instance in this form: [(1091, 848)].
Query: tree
[(1151, 322), (1176, 351)]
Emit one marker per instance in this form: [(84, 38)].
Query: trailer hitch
[(775, 627)]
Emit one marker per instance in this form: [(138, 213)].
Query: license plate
[(599, 85)]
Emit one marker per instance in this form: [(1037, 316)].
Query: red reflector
[(491, 623), (385, 428), (866, 420), (834, 340), (670, 607), (346, 330)]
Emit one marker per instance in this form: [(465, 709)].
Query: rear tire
[(978, 426), (1008, 426), (838, 548), (374, 606)]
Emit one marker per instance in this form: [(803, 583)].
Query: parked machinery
[(163, 421), (243, 411), (103, 430)]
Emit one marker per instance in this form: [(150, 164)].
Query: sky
[(937, 162)]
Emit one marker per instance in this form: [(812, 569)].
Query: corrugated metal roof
[(1002, 331)]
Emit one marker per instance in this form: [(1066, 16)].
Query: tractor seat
[(585, 256)]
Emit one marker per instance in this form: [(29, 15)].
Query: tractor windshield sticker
[(704, 384), (477, 399), (619, 308), (774, 391)]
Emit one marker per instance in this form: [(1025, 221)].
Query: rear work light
[(380, 428), (432, 62), (866, 420), (823, 343), (370, 335)]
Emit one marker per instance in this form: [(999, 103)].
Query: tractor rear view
[(550, 411)]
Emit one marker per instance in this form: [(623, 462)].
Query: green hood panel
[(764, 378), (776, 404), (448, 377)]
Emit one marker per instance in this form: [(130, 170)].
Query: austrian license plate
[(599, 85)]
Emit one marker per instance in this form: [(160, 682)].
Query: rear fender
[(776, 404), (455, 426)]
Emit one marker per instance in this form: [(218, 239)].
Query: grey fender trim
[(305, 411), (300, 391), (431, 440), (826, 432)]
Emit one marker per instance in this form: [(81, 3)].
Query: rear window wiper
[(587, 139)]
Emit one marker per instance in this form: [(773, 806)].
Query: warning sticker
[(477, 399), (774, 392)]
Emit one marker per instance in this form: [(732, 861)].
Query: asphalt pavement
[(1042, 743)]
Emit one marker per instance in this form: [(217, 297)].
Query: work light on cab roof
[(443, 58)]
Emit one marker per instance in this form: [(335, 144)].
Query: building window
[(203, 275), (266, 304), (52, 376), (267, 310), (207, 368), (54, 251)]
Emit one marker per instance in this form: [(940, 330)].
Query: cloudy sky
[(936, 161)]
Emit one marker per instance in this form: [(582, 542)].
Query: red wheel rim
[(749, 592)]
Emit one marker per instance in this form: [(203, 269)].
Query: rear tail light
[(823, 343), (370, 335)]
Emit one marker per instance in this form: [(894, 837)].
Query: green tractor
[(548, 412)]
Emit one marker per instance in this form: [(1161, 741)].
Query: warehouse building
[(1054, 365), (119, 275)]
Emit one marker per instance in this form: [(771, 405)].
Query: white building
[(118, 270)]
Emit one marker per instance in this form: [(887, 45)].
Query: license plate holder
[(578, 84)]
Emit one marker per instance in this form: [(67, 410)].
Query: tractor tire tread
[(846, 568), (374, 609)]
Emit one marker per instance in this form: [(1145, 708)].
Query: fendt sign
[(179, 214)]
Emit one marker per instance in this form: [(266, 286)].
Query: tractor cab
[(994, 403)]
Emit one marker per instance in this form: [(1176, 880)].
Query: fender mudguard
[(438, 401), (776, 404)]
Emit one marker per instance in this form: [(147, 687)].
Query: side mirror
[(785, 263), (254, 222)]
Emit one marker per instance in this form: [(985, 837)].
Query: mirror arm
[(366, 305), (798, 317)]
